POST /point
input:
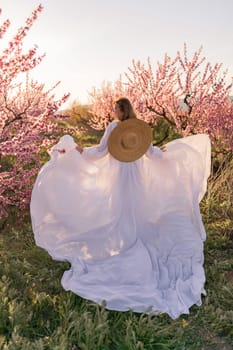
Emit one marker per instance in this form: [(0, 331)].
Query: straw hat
[(129, 140)]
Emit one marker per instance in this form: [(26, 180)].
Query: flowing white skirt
[(132, 232)]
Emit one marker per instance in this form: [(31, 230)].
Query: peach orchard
[(29, 114)]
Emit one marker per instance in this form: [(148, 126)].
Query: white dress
[(132, 232)]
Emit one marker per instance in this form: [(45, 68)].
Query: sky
[(88, 42)]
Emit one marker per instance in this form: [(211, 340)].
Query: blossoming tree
[(189, 94), (28, 120)]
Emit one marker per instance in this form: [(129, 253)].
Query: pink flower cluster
[(27, 120), (190, 94)]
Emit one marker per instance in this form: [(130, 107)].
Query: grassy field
[(36, 313)]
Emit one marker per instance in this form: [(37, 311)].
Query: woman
[(122, 110), (131, 230)]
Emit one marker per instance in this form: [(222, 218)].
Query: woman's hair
[(126, 107)]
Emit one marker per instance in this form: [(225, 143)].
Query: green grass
[(36, 313)]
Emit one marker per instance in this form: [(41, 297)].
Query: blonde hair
[(126, 107)]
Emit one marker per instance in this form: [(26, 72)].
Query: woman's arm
[(97, 151), (100, 150)]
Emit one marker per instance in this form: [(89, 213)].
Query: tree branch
[(163, 114)]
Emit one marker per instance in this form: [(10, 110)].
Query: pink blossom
[(27, 120), (190, 94)]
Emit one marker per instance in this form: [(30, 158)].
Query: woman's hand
[(163, 148), (61, 150), (79, 149)]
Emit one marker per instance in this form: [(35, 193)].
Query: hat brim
[(141, 130)]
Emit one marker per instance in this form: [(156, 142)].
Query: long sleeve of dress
[(66, 142), (101, 149)]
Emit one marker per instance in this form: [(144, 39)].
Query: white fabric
[(132, 232)]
